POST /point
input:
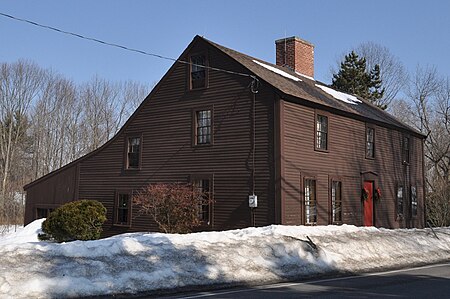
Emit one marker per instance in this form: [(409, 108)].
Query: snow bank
[(23, 235), (140, 262)]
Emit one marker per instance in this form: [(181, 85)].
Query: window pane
[(400, 200), (134, 147), (123, 209), (336, 202), (41, 213), (370, 136), (322, 132), (198, 73), (203, 123), (203, 186), (310, 202), (406, 148), (413, 201)]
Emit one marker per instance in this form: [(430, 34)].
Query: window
[(406, 146), (43, 212), (203, 125), (134, 153), (336, 202), (322, 132), (310, 202), (413, 201), (198, 73), (204, 187), (123, 209), (400, 201), (370, 142)]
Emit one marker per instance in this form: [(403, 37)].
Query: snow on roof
[(275, 70), (341, 96), (303, 75)]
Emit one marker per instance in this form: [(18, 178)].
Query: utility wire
[(123, 47)]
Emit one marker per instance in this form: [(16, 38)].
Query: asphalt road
[(431, 281)]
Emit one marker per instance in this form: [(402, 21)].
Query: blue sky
[(417, 32)]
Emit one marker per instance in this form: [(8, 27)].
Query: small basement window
[(198, 74)]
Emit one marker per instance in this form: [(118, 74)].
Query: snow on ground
[(138, 262)]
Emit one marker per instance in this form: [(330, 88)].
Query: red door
[(368, 204)]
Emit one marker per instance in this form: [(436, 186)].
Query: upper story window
[(204, 188), (122, 215), (134, 152), (310, 202), (322, 132), (370, 142), (198, 74), (336, 202), (406, 149), (203, 127)]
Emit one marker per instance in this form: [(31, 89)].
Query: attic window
[(198, 74)]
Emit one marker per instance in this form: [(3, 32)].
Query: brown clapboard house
[(311, 155)]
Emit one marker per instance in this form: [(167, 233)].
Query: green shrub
[(77, 220)]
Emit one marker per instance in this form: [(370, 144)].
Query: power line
[(122, 47)]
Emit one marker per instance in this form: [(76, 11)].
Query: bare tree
[(106, 107), (392, 72), (47, 121), (429, 112), (56, 118), (20, 83)]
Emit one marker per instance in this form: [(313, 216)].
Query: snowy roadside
[(142, 262)]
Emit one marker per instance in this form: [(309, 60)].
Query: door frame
[(368, 205)]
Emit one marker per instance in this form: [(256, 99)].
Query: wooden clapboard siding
[(168, 154), (345, 161), (52, 192), (285, 155)]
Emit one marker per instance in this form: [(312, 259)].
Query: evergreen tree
[(355, 79)]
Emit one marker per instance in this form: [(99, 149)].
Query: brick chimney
[(296, 54)]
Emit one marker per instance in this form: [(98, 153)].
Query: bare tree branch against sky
[(414, 31)]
